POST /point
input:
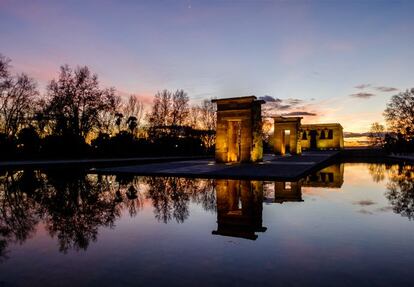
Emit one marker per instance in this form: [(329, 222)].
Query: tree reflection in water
[(377, 171), (128, 192), (400, 190), (73, 205), (400, 186), (18, 211), (171, 195)]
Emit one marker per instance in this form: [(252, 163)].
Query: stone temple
[(239, 130), (290, 136)]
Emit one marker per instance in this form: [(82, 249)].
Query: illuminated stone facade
[(239, 130), (322, 136), (290, 136), (287, 135)]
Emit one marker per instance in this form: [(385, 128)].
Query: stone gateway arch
[(239, 130)]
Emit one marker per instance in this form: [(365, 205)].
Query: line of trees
[(77, 117), (399, 116)]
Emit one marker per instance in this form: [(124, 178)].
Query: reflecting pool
[(346, 225)]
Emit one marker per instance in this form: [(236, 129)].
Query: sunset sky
[(337, 61)]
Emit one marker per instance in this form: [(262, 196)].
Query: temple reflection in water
[(240, 202), (329, 177), (239, 208)]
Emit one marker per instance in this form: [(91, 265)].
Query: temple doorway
[(313, 134), (239, 130), (287, 141), (234, 141), (286, 135)]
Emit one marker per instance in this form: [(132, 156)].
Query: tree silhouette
[(133, 108), (29, 141), (17, 97), (180, 108), (399, 114), (169, 109), (118, 120), (376, 135), (75, 101), (76, 118), (132, 123)]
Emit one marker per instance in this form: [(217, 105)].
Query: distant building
[(322, 136), (290, 136)]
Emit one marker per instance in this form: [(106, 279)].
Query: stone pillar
[(293, 125), (279, 141), (221, 140), (246, 140), (293, 141), (232, 142)]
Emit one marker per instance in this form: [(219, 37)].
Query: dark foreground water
[(347, 225)]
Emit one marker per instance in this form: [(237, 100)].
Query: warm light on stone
[(281, 140), (293, 137), (326, 136), (239, 130)]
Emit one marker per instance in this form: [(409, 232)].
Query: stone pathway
[(273, 167)]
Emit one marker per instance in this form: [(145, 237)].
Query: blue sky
[(317, 52)]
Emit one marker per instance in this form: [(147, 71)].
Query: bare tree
[(17, 97), (194, 117), (4, 73), (180, 108), (75, 101), (134, 109), (208, 122), (376, 135), (160, 113), (108, 118), (399, 113), (208, 115)]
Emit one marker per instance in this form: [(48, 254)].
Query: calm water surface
[(347, 225)]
